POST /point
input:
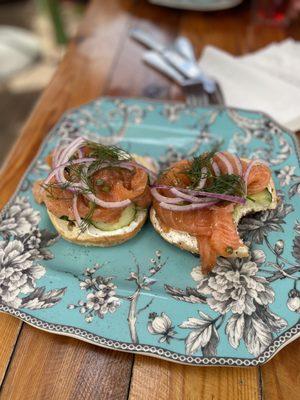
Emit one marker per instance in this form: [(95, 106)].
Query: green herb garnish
[(65, 218), (107, 153), (231, 184), (195, 172), (87, 220)]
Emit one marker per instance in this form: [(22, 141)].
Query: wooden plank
[(9, 330), (80, 77), (131, 77), (47, 366), (157, 379), (281, 375), (83, 75)]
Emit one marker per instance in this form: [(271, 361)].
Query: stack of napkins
[(267, 80)]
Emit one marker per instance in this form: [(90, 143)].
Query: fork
[(196, 95)]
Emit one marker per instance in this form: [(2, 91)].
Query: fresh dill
[(227, 184), (110, 155), (87, 220), (224, 184), (107, 153), (200, 168)]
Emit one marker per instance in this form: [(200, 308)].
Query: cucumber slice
[(254, 203), (263, 198), (127, 216)]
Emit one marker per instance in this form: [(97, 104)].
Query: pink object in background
[(294, 8), (276, 12)]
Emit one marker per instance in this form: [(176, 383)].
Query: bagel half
[(96, 237), (188, 242)]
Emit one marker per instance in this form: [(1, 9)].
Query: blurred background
[(34, 35), (33, 39)]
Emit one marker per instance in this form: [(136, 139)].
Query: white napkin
[(267, 80)]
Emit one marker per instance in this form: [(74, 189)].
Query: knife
[(186, 67)]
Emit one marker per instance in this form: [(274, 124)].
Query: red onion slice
[(221, 156), (107, 204), (189, 207), (238, 164), (63, 166), (216, 168), (189, 198), (220, 196), (203, 178), (159, 197)]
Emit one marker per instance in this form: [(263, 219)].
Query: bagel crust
[(96, 237), (188, 242)]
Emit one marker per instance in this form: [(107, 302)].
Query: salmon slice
[(195, 222), (207, 252), (258, 179), (110, 184), (225, 238), (214, 228)]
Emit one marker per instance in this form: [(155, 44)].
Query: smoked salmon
[(207, 202), (100, 178)]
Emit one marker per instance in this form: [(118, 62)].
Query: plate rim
[(278, 343), (291, 334), (194, 7)]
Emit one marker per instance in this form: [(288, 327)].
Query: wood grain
[(156, 379), (80, 78), (281, 375), (46, 366), (85, 73), (9, 330), (102, 60)]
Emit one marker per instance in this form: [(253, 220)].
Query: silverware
[(186, 66), (184, 47), (192, 88), (178, 62)]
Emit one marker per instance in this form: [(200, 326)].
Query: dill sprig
[(227, 184), (224, 184), (87, 220), (195, 172), (107, 153)]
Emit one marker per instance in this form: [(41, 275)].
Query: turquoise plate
[(146, 296)]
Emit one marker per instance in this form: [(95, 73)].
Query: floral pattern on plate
[(147, 296)]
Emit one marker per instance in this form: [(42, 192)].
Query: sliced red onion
[(220, 196), (216, 168), (249, 167), (159, 197), (56, 156), (75, 210), (190, 198), (238, 164), (225, 160), (67, 164), (107, 204), (80, 153), (71, 149), (203, 178), (189, 207)]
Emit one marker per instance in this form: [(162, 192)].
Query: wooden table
[(101, 60)]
